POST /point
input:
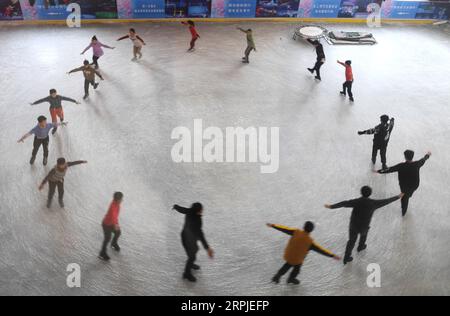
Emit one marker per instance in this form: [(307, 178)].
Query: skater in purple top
[(97, 48)]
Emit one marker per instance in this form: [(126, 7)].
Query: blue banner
[(240, 9), (148, 9)]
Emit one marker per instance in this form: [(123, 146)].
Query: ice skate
[(61, 203), (195, 267), (54, 131), (293, 281), (86, 96), (352, 100), (104, 257), (362, 248), (96, 86), (311, 70), (343, 93), (44, 162), (318, 78), (116, 247), (189, 277), (276, 279), (32, 160), (348, 260)]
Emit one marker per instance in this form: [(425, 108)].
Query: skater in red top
[(111, 227), (348, 84), (194, 34)]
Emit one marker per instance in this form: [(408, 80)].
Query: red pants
[(55, 113)]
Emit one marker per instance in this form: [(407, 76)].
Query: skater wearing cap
[(297, 249), (137, 41), (320, 58), (348, 84), (191, 235), (89, 73), (55, 178), (111, 227), (250, 44), (97, 48), (194, 34), (41, 137), (408, 176), (363, 211), (56, 109), (382, 134)]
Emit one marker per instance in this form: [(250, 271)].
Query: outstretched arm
[(181, 209), (424, 159), (368, 132), (389, 170), (74, 163), (341, 63), (320, 250), (98, 74), (283, 229), (68, 99), (242, 30), (382, 203), (106, 46), (139, 38), (44, 182), (347, 204), (75, 70), (123, 37), (86, 49), (46, 99), (24, 137)]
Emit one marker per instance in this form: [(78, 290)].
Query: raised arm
[(382, 203), (242, 30), (283, 229), (181, 209), (424, 159), (341, 63), (320, 250), (74, 163)]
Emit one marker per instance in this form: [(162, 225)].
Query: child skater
[(97, 50), (111, 227), (192, 233), (40, 132), (250, 44), (195, 35), (56, 109), (89, 73), (348, 84), (55, 178), (138, 42), (297, 250)]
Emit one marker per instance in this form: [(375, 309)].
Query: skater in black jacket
[(363, 210), (320, 58), (192, 233), (382, 134), (408, 176)]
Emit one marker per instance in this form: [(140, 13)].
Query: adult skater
[(89, 73), (192, 233), (111, 227), (363, 211), (382, 134), (250, 44), (320, 58), (55, 178), (297, 249), (348, 84), (41, 137), (137, 41), (56, 109), (408, 176), (194, 34), (97, 48)]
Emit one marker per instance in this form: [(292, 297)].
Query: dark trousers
[(383, 150), (405, 201), (108, 232), (347, 88), (247, 53), (295, 271), (191, 248), (37, 144), (194, 39), (52, 188), (86, 85), (354, 233), (317, 67), (95, 61)]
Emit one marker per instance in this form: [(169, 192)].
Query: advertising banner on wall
[(277, 8), (319, 8), (141, 9), (233, 8), (10, 10), (57, 9)]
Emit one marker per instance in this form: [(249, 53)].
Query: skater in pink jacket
[(97, 48)]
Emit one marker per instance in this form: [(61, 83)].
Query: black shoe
[(32, 160), (189, 277), (104, 257), (61, 203), (86, 96), (195, 267), (343, 93), (49, 204), (385, 167), (44, 162), (352, 100), (293, 281), (54, 131), (362, 248), (311, 70), (246, 62), (116, 247), (404, 212), (347, 260), (276, 279), (318, 78), (96, 85)]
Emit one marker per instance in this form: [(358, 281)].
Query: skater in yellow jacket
[(297, 250)]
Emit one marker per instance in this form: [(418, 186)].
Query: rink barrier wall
[(222, 20)]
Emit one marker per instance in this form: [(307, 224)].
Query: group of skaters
[(301, 241)]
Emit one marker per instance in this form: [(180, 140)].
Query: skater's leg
[(61, 193), (294, 274), (405, 203), (349, 89), (362, 240), (45, 143), (36, 145), (374, 154), (350, 245), (107, 232), (284, 269), (135, 52), (115, 241), (344, 89), (139, 52), (86, 88), (51, 192), (95, 61), (383, 151)]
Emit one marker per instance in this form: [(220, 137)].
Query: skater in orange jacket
[(297, 250)]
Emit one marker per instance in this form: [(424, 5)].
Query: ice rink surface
[(124, 131)]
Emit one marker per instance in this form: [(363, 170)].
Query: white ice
[(124, 132)]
